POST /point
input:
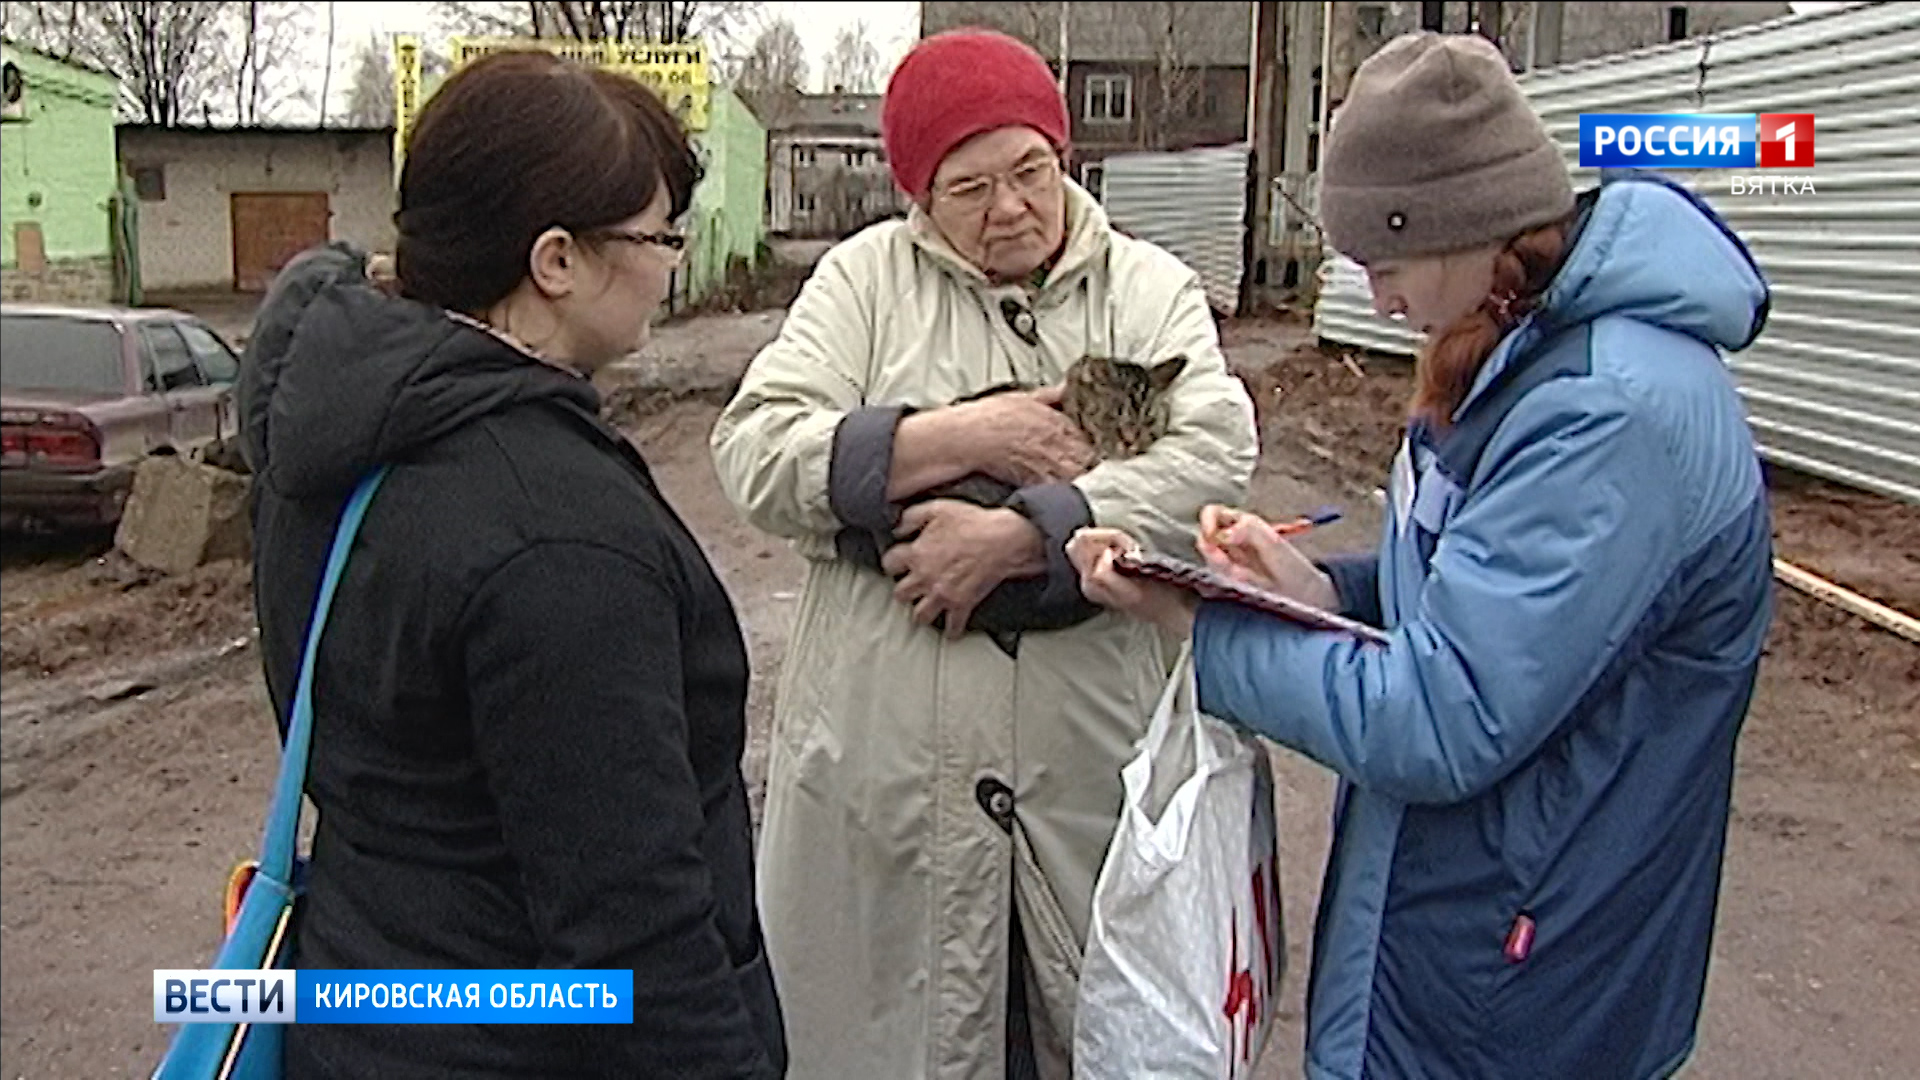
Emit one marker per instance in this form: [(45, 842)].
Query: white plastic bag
[(1186, 948)]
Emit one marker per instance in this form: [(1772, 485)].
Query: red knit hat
[(956, 85)]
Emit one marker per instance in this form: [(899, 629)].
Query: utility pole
[(1266, 124), (1326, 80), (1486, 20), (1547, 24), (1063, 51), (326, 80)]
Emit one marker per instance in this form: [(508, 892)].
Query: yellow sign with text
[(677, 72), (406, 94)]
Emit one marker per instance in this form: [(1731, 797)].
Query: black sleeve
[(1058, 510), (861, 466), (573, 667), (1356, 579)]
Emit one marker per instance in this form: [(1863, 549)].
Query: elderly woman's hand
[(955, 554), (1028, 440), (1092, 552)]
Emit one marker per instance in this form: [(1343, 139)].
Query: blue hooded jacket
[(1546, 744)]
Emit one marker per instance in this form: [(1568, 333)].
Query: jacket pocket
[(1054, 951), (1042, 918), (755, 979)]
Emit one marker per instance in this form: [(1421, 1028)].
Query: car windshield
[(50, 352)]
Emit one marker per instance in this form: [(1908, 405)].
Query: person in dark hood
[(1576, 578), (530, 696)]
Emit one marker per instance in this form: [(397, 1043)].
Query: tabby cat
[(1122, 407)]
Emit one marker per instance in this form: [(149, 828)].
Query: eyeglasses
[(1029, 181), (670, 241)]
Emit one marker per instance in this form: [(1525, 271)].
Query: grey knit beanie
[(1435, 150)]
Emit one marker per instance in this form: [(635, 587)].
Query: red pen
[(1326, 515)]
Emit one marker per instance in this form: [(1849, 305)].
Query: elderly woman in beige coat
[(940, 801)]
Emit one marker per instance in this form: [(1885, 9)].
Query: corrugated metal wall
[(1191, 202), (1833, 385)]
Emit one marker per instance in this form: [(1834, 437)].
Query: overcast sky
[(892, 26)]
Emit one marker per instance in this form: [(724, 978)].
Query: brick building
[(225, 208)]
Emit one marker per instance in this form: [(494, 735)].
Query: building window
[(805, 203), (150, 183), (803, 156), (1676, 23), (1093, 178), (171, 361), (217, 363), (1202, 102), (13, 92), (1109, 98), (1371, 21)]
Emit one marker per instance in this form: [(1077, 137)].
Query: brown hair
[(514, 144), (1453, 357)]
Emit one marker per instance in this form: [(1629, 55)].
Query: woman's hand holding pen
[(1249, 548)]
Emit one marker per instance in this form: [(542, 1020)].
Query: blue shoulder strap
[(283, 819)]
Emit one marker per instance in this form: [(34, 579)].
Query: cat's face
[(1121, 406)]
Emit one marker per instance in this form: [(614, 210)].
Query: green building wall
[(58, 170), (728, 219)]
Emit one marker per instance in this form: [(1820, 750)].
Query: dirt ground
[(136, 747)]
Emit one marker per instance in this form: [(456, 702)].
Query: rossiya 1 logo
[(1704, 141), (1786, 140)]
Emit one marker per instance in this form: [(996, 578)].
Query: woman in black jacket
[(530, 697)]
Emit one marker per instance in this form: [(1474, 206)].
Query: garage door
[(270, 228)]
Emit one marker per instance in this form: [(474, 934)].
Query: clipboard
[(1209, 585)]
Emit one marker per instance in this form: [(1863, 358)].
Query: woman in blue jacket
[(1536, 768)]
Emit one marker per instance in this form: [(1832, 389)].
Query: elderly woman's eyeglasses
[(670, 241), (1028, 180)]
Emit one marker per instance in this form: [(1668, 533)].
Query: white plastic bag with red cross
[(1186, 948)]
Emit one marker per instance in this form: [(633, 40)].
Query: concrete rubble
[(182, 514)]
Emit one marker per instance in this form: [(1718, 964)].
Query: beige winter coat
[(883, 876)]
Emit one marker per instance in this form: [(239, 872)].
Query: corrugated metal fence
[(1191, 202), (1833, 385)]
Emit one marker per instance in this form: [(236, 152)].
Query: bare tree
[(482, 20), (853, 64), (326, 80), (1036, 22), (370, 89), (643, 21), (774, 73), (169, 57), (265, 42), (51, 28), (1179, 75), (597, 20), (177, 61)]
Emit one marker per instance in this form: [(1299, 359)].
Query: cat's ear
[(1162, 374)]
